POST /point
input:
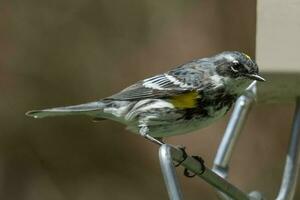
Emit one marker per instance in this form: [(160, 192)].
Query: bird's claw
[(186, 171), (201, 161), (184, 155)]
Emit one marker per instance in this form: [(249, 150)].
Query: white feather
[(175, 81), (153, 83), (144, 106)]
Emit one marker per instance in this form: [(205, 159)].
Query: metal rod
[(233, 130), (169, 173), (292, 164), (169, 153)]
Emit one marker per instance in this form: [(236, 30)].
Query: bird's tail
[(87, 109)]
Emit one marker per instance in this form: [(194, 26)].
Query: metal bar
[(292, 164), (169, 173), (233, 130), (169, 153)]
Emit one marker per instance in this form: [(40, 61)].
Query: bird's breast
[(210, 106)]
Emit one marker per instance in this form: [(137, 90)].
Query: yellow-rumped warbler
[(186, 98)]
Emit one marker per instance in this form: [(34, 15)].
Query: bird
[(188, 97)]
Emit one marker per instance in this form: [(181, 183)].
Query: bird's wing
[(172, 83), (159, 86)]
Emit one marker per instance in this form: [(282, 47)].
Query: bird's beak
[(255, 77)]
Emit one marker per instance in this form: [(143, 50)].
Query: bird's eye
[(235, 67)]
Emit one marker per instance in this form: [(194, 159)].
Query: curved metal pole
[(292, 164), (169, 173), (233, 130), (168, 153)]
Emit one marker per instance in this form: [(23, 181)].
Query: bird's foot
[(144, 132), (201, 162), (153, 139), (184, 155), (186, 171)]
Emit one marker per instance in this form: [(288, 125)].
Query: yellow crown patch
[(247, 56)]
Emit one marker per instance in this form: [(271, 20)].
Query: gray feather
[(142, 89), (86, 109)]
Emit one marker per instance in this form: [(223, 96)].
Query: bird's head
[(237, 65)]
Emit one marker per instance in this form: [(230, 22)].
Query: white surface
[(278, 50), (278, 35)]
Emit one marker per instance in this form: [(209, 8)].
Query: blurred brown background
[(64, 52)]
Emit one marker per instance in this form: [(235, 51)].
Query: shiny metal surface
[(168, 153), (233, 130), (291, 169), (169, 173)]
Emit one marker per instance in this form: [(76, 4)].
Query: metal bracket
[(292, 163), (168, 154), (217, 176), (233, 130)]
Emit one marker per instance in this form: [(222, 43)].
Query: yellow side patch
[(247, 56), (186, 100)]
